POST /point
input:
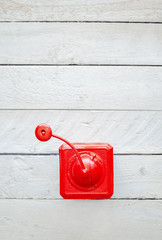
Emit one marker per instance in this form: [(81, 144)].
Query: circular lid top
[(91, 175)]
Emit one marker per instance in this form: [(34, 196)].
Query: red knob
[(43, 132)]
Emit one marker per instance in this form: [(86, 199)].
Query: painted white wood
[(63, 219), (126, 131), (81, 87), (37, 177), (85, 10), (77, 43), (29, 177)]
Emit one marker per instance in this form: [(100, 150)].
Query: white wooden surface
[(38, 177), (72, 219), (119, 104), (85, 10), (80, 43), (128, 132), (81, 87)]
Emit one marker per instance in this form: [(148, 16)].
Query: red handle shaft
[(74, 149), (43, 132)]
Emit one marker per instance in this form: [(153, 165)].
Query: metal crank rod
[(44, 132)]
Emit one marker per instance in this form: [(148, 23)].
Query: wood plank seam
[(129, 22), (57, 154), (61, 199), (76, 65)]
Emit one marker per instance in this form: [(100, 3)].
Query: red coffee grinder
[(86, 169)]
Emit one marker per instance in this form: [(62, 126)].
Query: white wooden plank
[(38, 177), (85, 10), (81, 87), (77, 43), (63, 219), (126, 131)]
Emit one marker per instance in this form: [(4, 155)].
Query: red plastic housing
[(93, 182)]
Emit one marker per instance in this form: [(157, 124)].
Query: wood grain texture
[(77, 43), (126, 131), (81, 87), (85, 10), (37, 177), (63, 220), (67, 98)]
